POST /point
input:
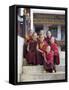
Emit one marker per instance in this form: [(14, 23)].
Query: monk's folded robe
[(48, 61), (42, 46), (54, 47), (31, 55)]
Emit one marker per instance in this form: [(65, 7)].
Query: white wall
[(20, 56)]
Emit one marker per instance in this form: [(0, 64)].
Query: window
[(53, 30), (38, 28)]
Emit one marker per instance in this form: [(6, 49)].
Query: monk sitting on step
[(48, 37), (54, 48), (42, 44), (31, 55), (28, 38), (48, 59)]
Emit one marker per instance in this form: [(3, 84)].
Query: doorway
[(38, 28)]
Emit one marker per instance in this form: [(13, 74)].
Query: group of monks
[(41, 49)]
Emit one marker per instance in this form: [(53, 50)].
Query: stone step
[(42, 76), (33, 69), (38, 73), (39, 69), (60, 68)]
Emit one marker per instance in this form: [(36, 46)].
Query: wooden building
[(52, 22), (37, 20)]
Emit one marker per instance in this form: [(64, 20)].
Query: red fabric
[(31, 55), (29, 39), (48, 61), (49, 57), (43, 45), (54, 47), (48, 39), (31, 58)]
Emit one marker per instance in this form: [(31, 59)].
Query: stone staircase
[(38, 73)]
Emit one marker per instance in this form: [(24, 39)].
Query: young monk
[(54, 48), (42, 44), (42, 33), (48, 37), (29, 35), (28, 38), (48, 59), (31, 56)]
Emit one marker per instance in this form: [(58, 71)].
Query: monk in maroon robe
[(28, 38), (48, 38), (41, 46), (54, 48), (31, 56), (48, 59)]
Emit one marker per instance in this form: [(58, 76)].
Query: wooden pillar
[(31, 15), (45, 28)]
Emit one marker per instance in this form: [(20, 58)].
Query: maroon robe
[(31, 55), (48, 39), (54, 47), (42, 46), (27, 40), (48, 61)]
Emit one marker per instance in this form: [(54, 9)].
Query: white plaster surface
[(20, 55)]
